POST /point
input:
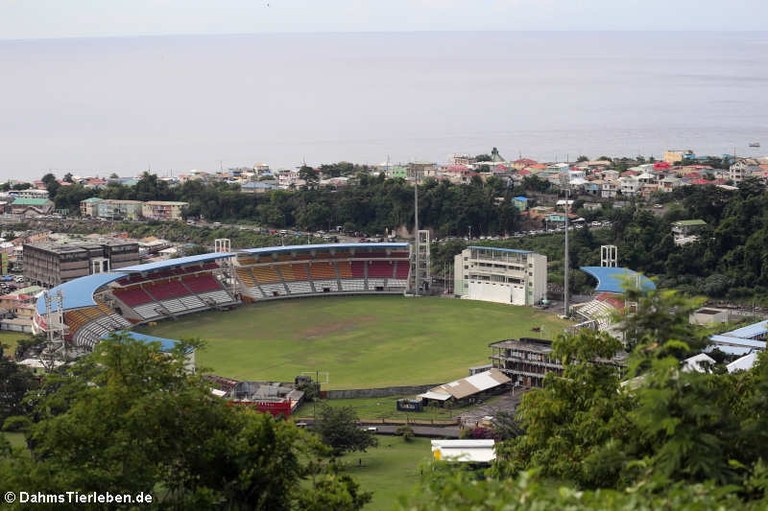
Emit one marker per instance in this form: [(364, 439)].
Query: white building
[(502, 275), (464, 451)]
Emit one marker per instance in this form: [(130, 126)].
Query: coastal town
[(88, 260)]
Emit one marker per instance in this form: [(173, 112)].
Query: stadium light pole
[(417, 277), (565, 258)]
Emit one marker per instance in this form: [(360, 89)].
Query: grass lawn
[(9, 339), (362, 342), (389, 470)]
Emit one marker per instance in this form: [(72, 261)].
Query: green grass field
[(362, 342), (389, 470), (9, 339)]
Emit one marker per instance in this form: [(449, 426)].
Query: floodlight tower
[(609, 256), (55, 346), (420, 272), (224, 246)]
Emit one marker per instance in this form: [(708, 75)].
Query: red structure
[(276, 408)]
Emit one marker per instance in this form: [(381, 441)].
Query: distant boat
[(754, 144)]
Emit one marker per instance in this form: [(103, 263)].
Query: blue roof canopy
[(750, 331), (172, 263), (323, 246), (613, 280), (79, 292), (496, 249), (165, 344)]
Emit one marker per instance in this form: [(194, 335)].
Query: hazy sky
[(34, 19)]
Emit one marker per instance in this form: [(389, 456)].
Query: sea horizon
[(98, 105)]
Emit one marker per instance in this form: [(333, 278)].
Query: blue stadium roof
[(165, 344), (79, 292), (613, 280), (322, 246), (172, 263), (513, 250)]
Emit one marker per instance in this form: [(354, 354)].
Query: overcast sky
[(35, 19)]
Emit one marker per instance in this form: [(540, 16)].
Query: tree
[(572, 424), (661, 316), (51, 184), (310, 176), (131, 417), (15, 381), (338, 429)]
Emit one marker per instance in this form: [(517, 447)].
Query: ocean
[(176, 103)]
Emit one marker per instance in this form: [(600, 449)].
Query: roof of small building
[(698, 363), (23, 201), (468, 386), (469, 451), (750, 331), (744, 363), (689, 223)]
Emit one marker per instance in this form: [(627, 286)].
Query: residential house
[(163, 210), (742, 168), (687, 231), (31, 207), (629, 185)]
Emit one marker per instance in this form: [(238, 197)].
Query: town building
[(525, 361), (89, 206), (742, 169), (467, 390), (677, 155), (113, 209), (481, 452), (687, 231), (502, 275), (51, 264), (31, 207), (163, 210), (29, 193)]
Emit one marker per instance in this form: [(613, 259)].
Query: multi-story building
[(743, 168), (525, 361), (114, 209), (50, 264), (678, 155), (163, 210), (31, 207), (29, 193), (502, 275), (90, 206)]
